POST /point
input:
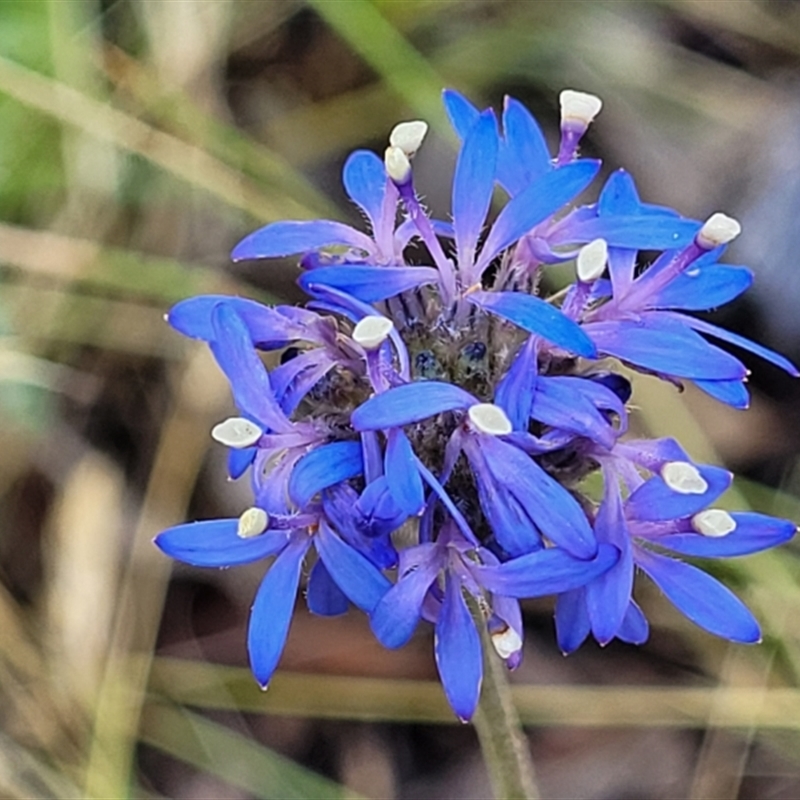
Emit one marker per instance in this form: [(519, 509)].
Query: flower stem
[(504, 745)]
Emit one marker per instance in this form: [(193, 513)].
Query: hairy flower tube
[(430, 444)]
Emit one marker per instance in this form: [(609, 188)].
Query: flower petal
[(753, 533), (402, 474), (411, 402), (215, 543), (701, 288), (462, 114), (368, 283), (572, 620), (364, 178), (635, 232), (635, 628), (701, 598), (272, 610), (733, 393), (524, 156), (287, 238), (324, 466), (323, 596), (515, 391), (457, 647), (536, 316)]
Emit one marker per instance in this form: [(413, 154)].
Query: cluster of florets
[(426, 443)]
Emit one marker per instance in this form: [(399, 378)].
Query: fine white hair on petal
[(408, 136), (236, 432), (253, 522), (506, 643), (592, 260), (579, 106), (717, 230), (714, 522), (489, 418), (371, 332), (683, 478), (398, 167)]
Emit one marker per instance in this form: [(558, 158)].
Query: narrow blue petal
[(514, 394), (740, 341), (703, 599), (619, 195), (287, 238), (654, 501), (664, 345), (473, 184), (239, 460), (409, 403), (396, 615), (534, 205), (402, 474), (524, 156), (536, 316), (548, 571), (293, 380), (733, 393), (457, 647), (702, 288), (636, 232), (572, 620), (250, 383), (272, 610), (214, 543), (323, 596), (634, 628), (324, 466), (363, 583), (753, 533), (462, 114), (549, 505), (364, 178), (368, 283)]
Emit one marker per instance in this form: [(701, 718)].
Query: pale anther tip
[(717, 230), (252, 522), (713, 522), (592, 260), (579, 106), (506, 642), (236, 432), (489, 418), (398, 167), (683, 478), (408, 136), (372, 331)]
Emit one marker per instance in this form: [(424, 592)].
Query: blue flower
[(433, 417)]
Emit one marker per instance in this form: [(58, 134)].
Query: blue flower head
[(424, 441)]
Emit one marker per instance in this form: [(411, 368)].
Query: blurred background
[(140, 140)]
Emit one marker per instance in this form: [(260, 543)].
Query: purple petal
[(473, 183), (701, 288), (323, 596), (536, 316), (524, 156), (753, 533), (362, 582), (402, 475), (703, 599), (457, 647), (664, 345), (287, 238), (272, 610), (409, 403), (293, 380), (215, 543), (548, 571), (364, 178), (534, 205), (252, 390), (634, 628), (572, 620), (654, 501), (324, 466), (396, 615), (514, 393), (368, 283)]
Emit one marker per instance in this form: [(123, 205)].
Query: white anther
[(579, 106), (236, 432), (252, 523), (717, 230), (592, 260), (714, 522), (371, 332), (683, 478), (489, 418), (506, 643), (398, 167), (408, 136)]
